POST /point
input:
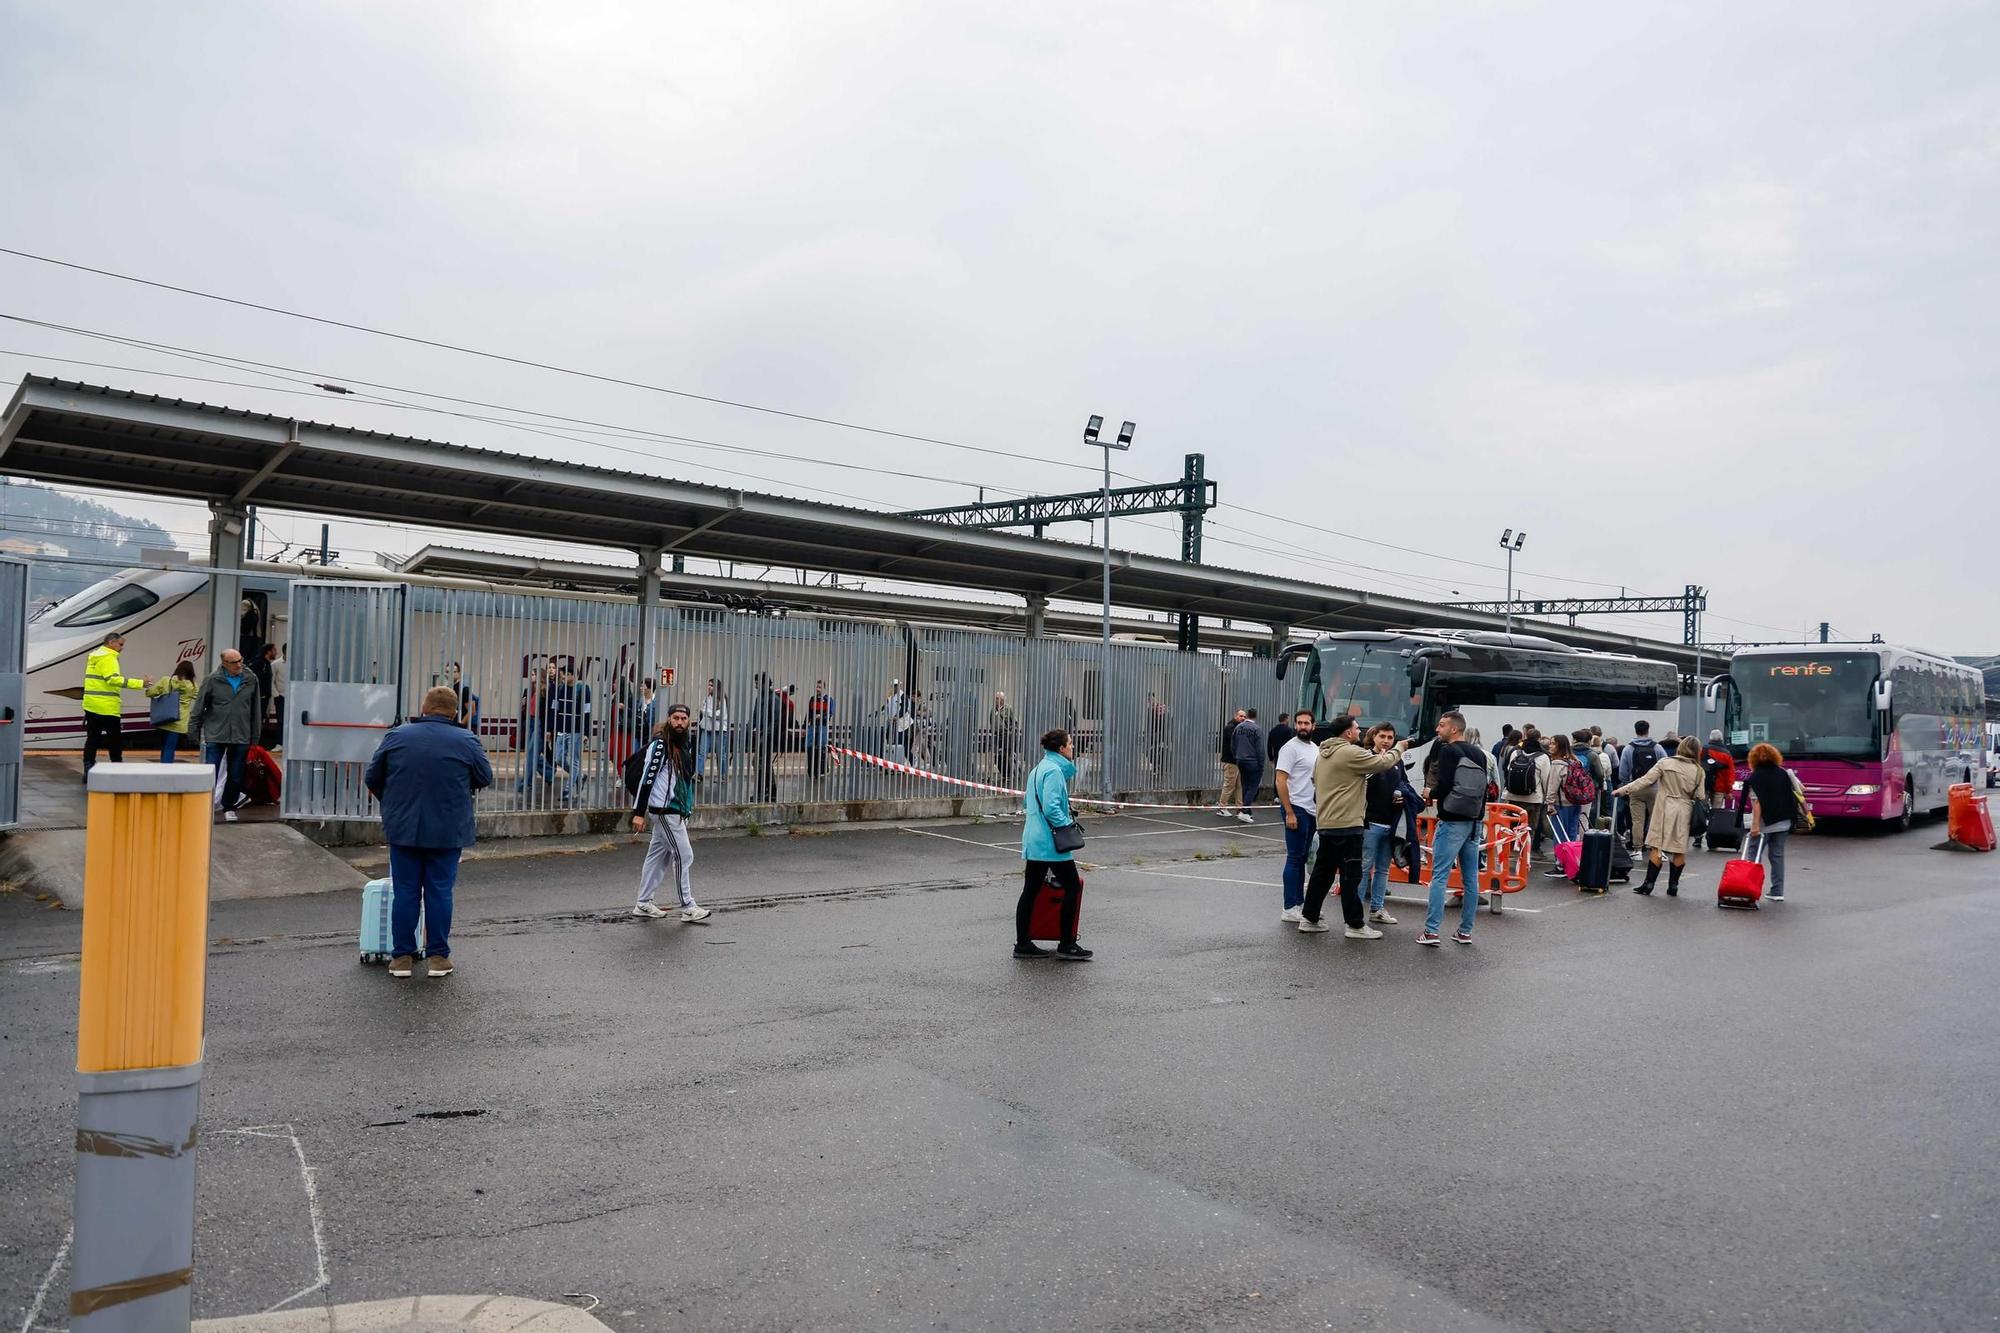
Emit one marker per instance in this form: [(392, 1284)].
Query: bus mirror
[(1287, 653), (1884, 691), (1711, 696)]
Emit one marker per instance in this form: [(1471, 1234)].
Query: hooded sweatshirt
[(1340, 781)]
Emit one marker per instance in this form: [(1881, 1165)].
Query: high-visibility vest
[(102, 681)]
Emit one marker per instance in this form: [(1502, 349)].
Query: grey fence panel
[(13, 685), (549, 681), (348, 661)]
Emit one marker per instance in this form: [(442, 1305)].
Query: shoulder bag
[(1066, 837)]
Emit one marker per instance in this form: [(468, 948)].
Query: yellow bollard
[(138, 1045)]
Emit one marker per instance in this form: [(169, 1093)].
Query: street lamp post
[(1510, 541), (1091, 429)]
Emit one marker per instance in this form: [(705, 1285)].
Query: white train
[(164, 615)]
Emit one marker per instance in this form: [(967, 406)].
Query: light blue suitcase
[(377, 897)]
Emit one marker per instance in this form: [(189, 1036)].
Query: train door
[(13, 697)]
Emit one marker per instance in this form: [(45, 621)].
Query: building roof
[(90, 435)]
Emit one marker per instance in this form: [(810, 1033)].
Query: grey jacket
[(227, 716)]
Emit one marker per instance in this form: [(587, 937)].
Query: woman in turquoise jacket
[(1047, 805)]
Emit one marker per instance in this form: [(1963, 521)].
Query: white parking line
[(48, 1281), (290, 1134)]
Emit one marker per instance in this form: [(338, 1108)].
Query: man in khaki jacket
[(1340, 783)]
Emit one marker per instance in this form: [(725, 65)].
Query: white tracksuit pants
[(669, 850)]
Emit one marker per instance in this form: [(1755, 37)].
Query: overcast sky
[(1692, 293)]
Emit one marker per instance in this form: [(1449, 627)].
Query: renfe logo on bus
[(1808, 669)]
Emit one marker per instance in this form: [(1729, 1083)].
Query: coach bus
[(1873, 731), (1407, 678)]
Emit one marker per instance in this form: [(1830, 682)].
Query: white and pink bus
[(1872, 730)]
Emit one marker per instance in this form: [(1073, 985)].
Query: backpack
[(1466, 798), (635, 771), (263, 780), (1520, 772), (1578, 786), (1645, 754)]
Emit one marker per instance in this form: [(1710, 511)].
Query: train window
[(120, 603)]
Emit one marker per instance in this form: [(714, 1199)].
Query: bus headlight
[(1864, 789), (1736, 786)]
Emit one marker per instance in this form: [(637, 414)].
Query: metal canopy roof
[(89, 435), (760, 594)]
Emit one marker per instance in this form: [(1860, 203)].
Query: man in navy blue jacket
[(424, 774)]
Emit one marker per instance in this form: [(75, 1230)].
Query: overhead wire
[(531, 364)]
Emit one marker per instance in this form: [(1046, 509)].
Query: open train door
[(13, 698), (349, 657)]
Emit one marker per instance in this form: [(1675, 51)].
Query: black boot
[(1652, 878), (1674, 881)]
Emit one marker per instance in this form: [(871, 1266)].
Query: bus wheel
[(1909, 815)]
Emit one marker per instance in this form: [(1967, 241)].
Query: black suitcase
[(1593, 870), (1621, 862), (1725, 829)]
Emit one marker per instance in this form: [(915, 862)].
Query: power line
[(540, 365)]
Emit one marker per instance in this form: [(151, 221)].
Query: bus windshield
[(1808, 706), (1371, 681)]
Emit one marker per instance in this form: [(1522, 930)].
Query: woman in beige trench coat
[(1677, 782)]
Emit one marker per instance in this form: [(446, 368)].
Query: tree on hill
[(35, 520)]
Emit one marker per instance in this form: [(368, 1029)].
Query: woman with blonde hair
[(1676, 783)]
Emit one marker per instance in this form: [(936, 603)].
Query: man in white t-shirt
[(1296, 797)]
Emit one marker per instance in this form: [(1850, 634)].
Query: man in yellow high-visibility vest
[(103, 701)]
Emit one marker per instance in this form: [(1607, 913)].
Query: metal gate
[(348, 654), (13, 705)]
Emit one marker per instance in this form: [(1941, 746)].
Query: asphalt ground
[(842, 1104)]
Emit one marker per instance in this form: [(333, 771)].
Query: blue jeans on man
[(228, 760), (1253, 778), (534, 764), (1298, 848), (423, 878), (1455, 844), (1377, 842), (569, 758)]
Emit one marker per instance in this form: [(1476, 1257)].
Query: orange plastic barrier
[(1504, 867), (1969, 821)]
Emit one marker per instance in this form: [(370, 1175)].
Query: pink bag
[(1569, 855)]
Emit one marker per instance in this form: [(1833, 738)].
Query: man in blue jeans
[(424, 774), (1460, 793), (1296, 797)]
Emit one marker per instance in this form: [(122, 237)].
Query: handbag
[(1066, 837), (1698, 819), (166, 708), (1803, 821)]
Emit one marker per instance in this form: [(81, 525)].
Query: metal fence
[(551, 684)]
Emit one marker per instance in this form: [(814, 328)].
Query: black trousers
[(108, 732), (1339, 852), (1032, 874)]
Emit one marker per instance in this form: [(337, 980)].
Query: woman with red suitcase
[(1773, 797), (1050, 837)]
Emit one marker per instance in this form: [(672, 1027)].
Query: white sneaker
[(1293, 914), (695, 913), (1363, 933), (1378, 915), (1245, 819), (1223, 813), (229, 816), (650, 910), (1312, 927)]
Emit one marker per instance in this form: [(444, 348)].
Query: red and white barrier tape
[(915, 772)]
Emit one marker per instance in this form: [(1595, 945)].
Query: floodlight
[(1125, 434), (1090, 429)]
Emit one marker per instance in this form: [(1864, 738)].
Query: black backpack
[(1465, 798), (1645, 754), (635, 771), (1521, 776)]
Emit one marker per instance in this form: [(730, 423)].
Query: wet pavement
[(841, 1104)]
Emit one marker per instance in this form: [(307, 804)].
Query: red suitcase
[(1046, 921), (1742, 882)]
